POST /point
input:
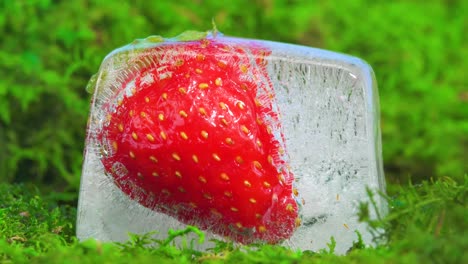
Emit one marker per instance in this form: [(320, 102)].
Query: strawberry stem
[(191, 35), (215, 29)]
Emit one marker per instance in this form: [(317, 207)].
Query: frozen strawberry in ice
[(193, 132)]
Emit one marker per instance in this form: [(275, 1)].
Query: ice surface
[(330, 117)]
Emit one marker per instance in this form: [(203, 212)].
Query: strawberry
[(194, 133)]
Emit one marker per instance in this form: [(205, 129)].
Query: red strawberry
[(195, 135)]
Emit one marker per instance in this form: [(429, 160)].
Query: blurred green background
[(49, 50)]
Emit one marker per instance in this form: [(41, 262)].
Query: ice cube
[(329, 111)]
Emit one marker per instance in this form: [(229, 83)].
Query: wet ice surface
[(329, 113), (328, 120)]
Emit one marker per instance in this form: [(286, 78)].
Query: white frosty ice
[(330, 116)]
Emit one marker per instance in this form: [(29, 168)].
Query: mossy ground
[(425, 225), (418, 49)]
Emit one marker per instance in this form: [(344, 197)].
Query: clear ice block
[(329, 110)]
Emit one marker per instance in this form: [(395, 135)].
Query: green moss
[(424, 225)]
